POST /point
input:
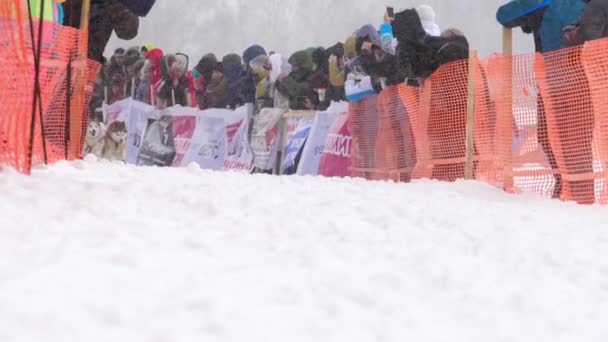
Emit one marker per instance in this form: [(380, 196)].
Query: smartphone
[(390, 11)]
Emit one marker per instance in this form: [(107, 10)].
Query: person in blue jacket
[(544, 18), (547, 19)]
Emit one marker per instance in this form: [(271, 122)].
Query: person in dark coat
[(547, 20), (592, 25), (213, 96), (106, 17), (417, 50), (133, 64), (205, 69), (233, 82), (420, 55), (252, 79), (375, 62), (455, 48), (297, 86), (365, 114)]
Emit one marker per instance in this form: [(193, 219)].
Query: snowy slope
[(103, 252)]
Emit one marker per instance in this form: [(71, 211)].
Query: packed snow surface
[(92, 251)]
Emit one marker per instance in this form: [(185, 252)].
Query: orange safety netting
[(61, 118), (539, 124)]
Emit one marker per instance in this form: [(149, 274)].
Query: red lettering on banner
[(338, 145)]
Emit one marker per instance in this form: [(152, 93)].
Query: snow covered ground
[(104, 252)]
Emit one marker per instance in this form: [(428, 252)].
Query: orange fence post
[(507, 115), (470, 142)]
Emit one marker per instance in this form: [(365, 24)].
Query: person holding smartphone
[(297, 86)]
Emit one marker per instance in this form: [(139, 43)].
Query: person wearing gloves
[(297, 86), (280, 69), (338, 65)]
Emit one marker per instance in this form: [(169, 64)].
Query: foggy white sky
[(196, 27)]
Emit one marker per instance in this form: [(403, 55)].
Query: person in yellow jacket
[(337, 67)]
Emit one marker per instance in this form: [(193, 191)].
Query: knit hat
[(301, 59), (337, 50), (149, 46), (369, 32), (133, 55), (154, 56), (252, 52), (232, 58)]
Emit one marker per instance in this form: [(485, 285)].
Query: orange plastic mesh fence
[(444, 96), (567, 103), (62, 48), (540, 125), (595, 63), (15, 103)]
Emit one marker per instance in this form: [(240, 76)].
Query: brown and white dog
[(115, 141)]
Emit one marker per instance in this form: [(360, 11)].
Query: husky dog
[(116, 141), (95, 139)]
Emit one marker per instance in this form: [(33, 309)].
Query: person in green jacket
[(297, 86)]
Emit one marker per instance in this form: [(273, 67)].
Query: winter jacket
[(154, 58), (378, 64), (297, 86), (106, 16), (251, 80), (214, 95), (417, 51), (206, 65), (594, 22), (545, 18), (234, 79), (335, 74), (455, 49), (139, 7)]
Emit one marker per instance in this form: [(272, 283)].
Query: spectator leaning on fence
[(297, 86), (252, 54), (107, 16), (592, 25), (202, 74), (547, 21)]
